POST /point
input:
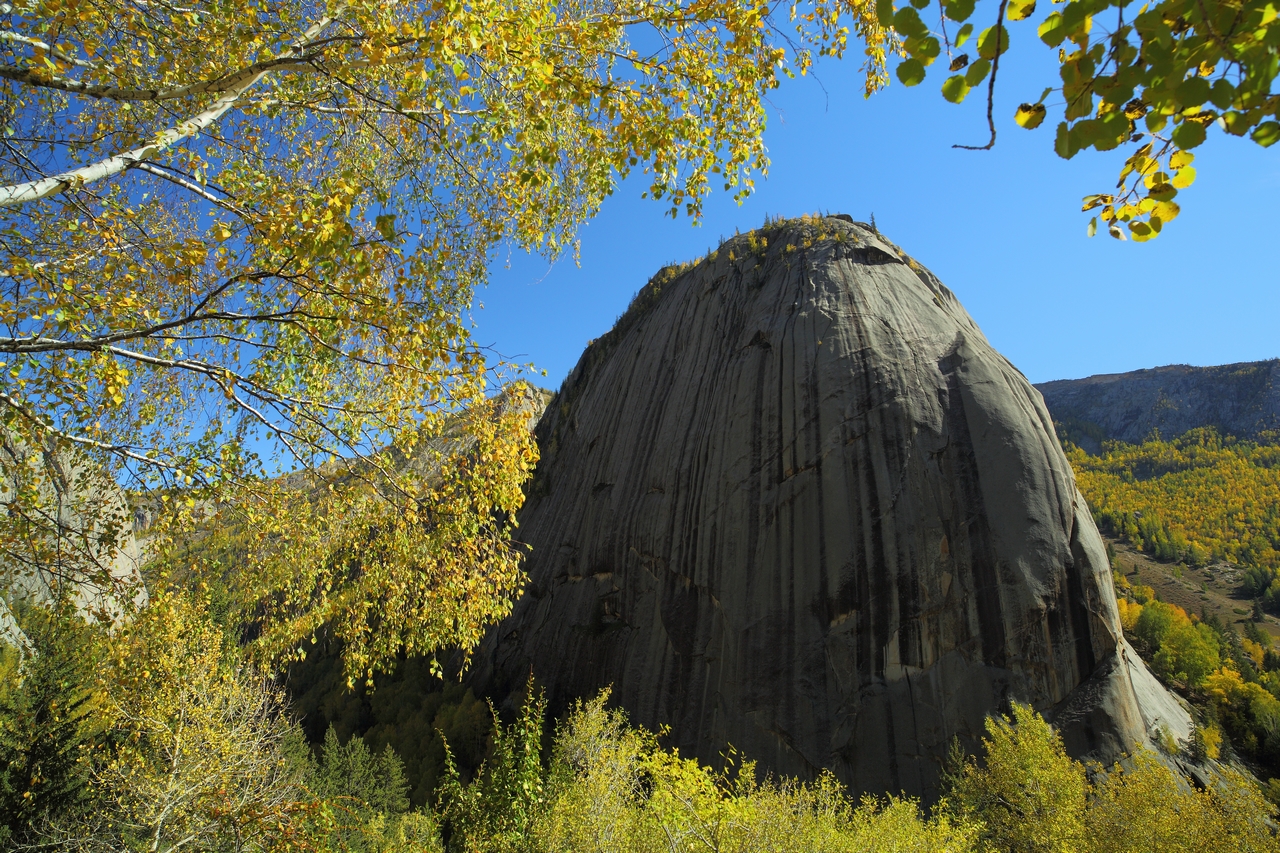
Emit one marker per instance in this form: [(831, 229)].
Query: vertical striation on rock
[(796, 503), (67, 529)]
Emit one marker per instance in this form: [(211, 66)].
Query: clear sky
[(1002, 229)]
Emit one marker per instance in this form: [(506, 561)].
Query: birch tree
[(196, 753), (240, 237)]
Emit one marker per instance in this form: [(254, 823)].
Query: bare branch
[(190, 186)]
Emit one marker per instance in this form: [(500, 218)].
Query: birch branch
[(17, 194), (19, 38)]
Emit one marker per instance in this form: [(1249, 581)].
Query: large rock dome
[(795, 502)]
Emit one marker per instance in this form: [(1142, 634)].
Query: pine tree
[(45, 736)]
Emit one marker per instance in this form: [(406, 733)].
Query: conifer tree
[(46, 728)]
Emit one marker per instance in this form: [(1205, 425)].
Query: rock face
[(796, 503), (1236, 399), (67, 528)]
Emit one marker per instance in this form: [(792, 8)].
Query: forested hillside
[(1198, 498), (1207, 506)]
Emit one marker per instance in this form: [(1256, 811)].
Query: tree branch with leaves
[(1157, 78), (242, 239)]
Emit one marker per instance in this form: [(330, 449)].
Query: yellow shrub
[(1129, 613)]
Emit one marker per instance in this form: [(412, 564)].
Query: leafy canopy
[(1154, 77), (239, 238)]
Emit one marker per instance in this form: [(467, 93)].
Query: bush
[(610, 788), (1029, 795)]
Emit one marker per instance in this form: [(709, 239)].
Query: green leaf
[(1236, 124), (884, 12), (993, 42), (928, 50), (907, 22), (1156, 121), (1162, 192), (1189, 134), (1086, 133), (1062, 142), (1051, 30), (1192, 92), (910, 72), (1020, 10), (977, 72), (924, 49), (1093, 227), (920, 4), (963, 35), (1077, 19), (1029, 116), (1222, 94), (955, 88), (958, 10), (1112, 131), (1186, 177), (1266, 134), (386, 225)]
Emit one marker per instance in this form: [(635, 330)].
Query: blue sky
[(1001, 228)]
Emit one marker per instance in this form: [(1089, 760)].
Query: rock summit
[(794, 502)]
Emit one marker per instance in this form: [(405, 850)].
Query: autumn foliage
[(1199, 497)]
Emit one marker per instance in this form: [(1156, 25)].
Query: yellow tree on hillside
[(241, 237)]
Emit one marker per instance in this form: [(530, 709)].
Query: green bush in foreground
[(192, 751), (610, 787)]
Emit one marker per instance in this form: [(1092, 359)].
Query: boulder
[(794, 502)]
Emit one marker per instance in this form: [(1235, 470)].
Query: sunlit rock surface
[(796, 503), (68, 530)]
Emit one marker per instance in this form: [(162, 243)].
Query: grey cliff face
[(1236, 399), (795, 502), (78, 538)]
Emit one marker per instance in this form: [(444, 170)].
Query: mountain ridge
[(1242, 400)]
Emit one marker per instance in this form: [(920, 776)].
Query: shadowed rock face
[(796, 503)]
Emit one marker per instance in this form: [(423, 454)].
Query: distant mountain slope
[(1237, 399)]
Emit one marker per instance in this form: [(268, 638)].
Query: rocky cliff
[(796, 503), (65, 528), (1236, 399)]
